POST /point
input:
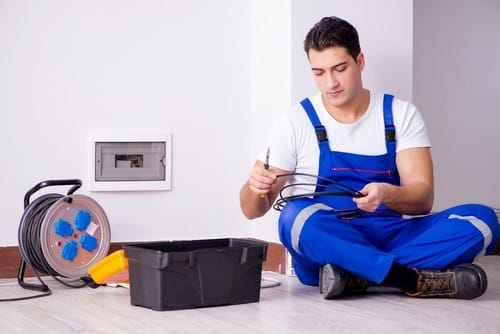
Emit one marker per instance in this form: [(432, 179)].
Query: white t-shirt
[(293, 145)]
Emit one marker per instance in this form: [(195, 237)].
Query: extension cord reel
[(61, 235)]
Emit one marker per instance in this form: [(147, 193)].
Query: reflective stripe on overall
[(315, 234)]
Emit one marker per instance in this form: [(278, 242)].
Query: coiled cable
[(30, 245), (338, 189), (29, 233), (29, 237)]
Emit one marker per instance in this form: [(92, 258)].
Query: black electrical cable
[(354, 192), (29, 233), (342, 190), (30, 245)]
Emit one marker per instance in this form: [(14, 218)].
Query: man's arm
[(415, 196), (260, 191)]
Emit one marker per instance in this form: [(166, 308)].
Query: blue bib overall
[(315, 231)]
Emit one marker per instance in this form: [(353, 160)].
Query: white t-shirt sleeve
[(410, 127), (292, 143), (280, 142)]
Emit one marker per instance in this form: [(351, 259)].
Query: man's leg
[(446, 239), (311, 230), (440, 248), (461, 281), (315, 237)]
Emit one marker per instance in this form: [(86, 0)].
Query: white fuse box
[(130, 162)]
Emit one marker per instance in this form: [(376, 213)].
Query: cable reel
[(61, 235)]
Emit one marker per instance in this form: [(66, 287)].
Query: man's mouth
[(335, 93)]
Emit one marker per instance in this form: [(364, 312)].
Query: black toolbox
[(197, 273)]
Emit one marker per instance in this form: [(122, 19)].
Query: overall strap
[(318, 127), (390, 130), (324, 147)]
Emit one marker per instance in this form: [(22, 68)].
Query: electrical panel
[(130, 162)]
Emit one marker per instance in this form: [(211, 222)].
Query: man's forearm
[(411, 199)]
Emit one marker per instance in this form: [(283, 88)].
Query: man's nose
[(331, 80)]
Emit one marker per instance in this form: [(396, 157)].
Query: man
[(371, 153)]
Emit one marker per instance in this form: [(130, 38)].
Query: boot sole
[(332, 281), (483, 279)]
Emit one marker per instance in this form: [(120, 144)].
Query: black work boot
[(334, 282), (465, 281)]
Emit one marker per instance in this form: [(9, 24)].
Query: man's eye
[(318, 73), (340, 69)]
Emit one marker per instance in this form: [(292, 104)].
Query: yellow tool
[(111, 269)]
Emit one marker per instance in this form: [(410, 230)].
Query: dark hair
[(333, 31)]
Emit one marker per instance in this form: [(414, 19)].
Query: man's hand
[(260, 191), (374, 195), (261, 180)]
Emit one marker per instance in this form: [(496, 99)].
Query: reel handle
[(76, 183)]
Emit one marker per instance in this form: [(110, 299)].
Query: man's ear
[(360, 60)]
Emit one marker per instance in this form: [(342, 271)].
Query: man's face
[(337, 75)]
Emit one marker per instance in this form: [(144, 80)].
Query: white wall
[(456, 87), (69, 67), (271, 83)]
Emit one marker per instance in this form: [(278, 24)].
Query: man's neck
[(351, 112)]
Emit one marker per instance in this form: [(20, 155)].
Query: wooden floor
[(288, 308)]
